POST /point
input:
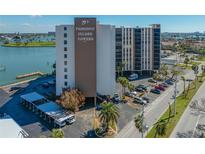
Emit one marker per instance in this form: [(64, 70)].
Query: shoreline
[(26, 46), (17, 83)]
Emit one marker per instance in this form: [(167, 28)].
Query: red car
[(160, 88)]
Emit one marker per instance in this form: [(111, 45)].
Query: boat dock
[(29, 75)]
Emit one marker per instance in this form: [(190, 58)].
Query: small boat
[(2, 68)]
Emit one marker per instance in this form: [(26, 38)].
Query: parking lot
[(36, 127)]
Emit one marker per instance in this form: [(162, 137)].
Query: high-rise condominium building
[(85, 57), (138, 49)]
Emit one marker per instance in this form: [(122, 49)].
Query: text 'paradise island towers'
[(85, 57)]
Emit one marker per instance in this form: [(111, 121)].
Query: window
[(65, 76), (65, 41), (65, 35), (65, 70), (65, 28), (65, 49), (65, 62), (65, 83), (65, 55)]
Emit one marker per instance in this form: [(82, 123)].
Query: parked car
[(169, 82), (133, 93), (98, 107), (140, 101), (155, 91), (15, 88), (51, 82), (133, 77), (146, 99), (142, 86), (165, 85), (116, 98), (160, 88), (139, 89), (45, 85), (152, 81), (71, 119)]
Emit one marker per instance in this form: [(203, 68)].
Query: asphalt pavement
[(187, 125), (154, 111)]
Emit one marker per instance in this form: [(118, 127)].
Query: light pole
[(143, 121), (175, 90), (175, 95)]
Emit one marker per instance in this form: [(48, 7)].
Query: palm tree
[(184, 80), (174, 72), (139, 122), (124, 83), (109, 115), (195, 68), (131, 87), (186, 61), (161, 129), (163, 70)]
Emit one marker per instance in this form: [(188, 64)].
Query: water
[(25, 60)]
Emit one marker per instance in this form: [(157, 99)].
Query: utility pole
[(175, 91), (143, 121)]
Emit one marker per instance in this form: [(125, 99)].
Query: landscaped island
[(30, 44)]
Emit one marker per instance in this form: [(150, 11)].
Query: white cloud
[(36, 16), (26, 24)]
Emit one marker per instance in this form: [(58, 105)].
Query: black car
[(45, 85), (142, 86), (155, 91), (139, 89), (152, 81)]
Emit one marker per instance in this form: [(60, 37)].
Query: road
[(189, 120), (155, 110)]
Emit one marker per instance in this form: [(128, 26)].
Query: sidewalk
[(188, 122)]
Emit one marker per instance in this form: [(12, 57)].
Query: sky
[(44, 24)]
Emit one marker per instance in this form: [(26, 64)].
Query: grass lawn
[(181, 104), (201, 58), (184, 66), (31, 44), (188, 66)]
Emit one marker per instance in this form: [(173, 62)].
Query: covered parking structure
[(49, 111)]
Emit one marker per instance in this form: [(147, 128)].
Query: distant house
[(16, 39)]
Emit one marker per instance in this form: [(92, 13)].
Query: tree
[(109, 115), (184, 81), (163, 70), (174, 72), (57, 133), (120, 68), (195, 68), (139, 122), (72, 99), (124, 83), (161, 128), (186, 60), (131, 87)]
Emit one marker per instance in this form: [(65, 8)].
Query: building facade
[(85, 57), (139, 49)]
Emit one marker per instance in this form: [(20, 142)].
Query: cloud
[(35, 16), (26, 24)]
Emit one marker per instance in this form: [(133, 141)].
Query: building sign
[(85, 55)]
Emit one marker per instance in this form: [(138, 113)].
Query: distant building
[(85, 57), (138, 48)]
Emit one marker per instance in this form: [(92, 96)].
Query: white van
[(133, 77)]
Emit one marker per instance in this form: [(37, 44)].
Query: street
[(187, 126), (155, 110)]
